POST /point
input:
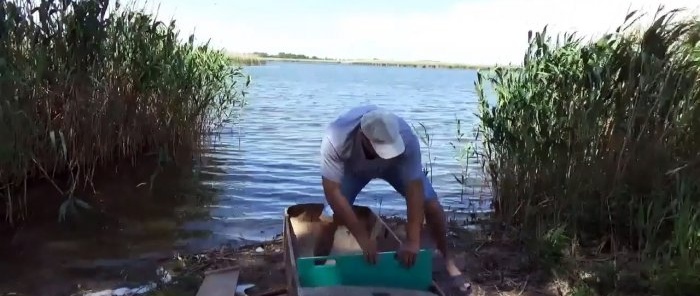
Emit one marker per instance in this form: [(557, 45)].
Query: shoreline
[(495, 260), (385, 63), (483, 257), (263, 270)]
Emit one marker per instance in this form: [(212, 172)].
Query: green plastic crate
[(353, 270)]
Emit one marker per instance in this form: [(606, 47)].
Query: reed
[(600, 140), (465, 150), (83, 87), (427, 140)]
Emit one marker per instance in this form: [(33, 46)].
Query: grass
[(593, 146), (83, 87)]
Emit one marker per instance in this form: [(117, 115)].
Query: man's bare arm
[(342, 208), (411, 170), (414, 209)]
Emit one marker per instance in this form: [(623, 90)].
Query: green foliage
[(601, 137), (550, 249), (582, 290), (83, 87)]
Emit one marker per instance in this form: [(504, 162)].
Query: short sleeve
[(331, 164), (411, 167)]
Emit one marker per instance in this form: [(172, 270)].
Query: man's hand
[(369, 249), (343, 211), (408, 252)]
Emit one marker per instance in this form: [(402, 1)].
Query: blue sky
[(468, 31)]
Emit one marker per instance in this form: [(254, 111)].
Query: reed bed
[(414, 64), (83, 86), (246, 60), (595, 144)]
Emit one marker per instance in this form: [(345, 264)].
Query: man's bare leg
[(437, 225)]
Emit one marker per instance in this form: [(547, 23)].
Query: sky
[(477, 32)]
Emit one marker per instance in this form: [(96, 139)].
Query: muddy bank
[(110, 191), (495, 266), (137, 212)]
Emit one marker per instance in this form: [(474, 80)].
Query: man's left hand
[(408, 252)]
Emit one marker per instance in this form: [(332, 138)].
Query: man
[(368, 143)]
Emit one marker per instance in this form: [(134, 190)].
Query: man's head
[(381, 130)]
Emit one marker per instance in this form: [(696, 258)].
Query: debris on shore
[(495, 266)]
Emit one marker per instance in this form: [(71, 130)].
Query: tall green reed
[(465, 151), (427, 140), (82, 87), (601, 138)]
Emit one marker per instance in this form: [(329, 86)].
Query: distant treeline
[(286, 55), (260, 58)]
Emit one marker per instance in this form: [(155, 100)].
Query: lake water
[(270, 161)]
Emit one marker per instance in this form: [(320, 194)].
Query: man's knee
[(350, 187), (429, 190), (394, 179), (432, 207)]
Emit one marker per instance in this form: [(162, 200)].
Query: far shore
[(383, 63)]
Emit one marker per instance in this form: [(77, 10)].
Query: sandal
[(460, 282)]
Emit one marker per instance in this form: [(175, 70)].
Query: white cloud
[(484, 32), (472, 31)]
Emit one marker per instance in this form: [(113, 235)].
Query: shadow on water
[(132, 227)]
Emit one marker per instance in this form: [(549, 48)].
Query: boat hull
[(302, 224)]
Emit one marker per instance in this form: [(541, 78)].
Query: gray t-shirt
[(341, 151)]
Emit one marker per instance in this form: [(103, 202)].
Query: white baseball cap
[(382, 130)]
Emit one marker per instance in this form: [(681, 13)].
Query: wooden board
[(221, 282), (360, 291)]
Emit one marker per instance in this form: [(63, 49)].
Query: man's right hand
[(369, 249), (343, 211)]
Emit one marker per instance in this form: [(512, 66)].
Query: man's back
[(340, 151)]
